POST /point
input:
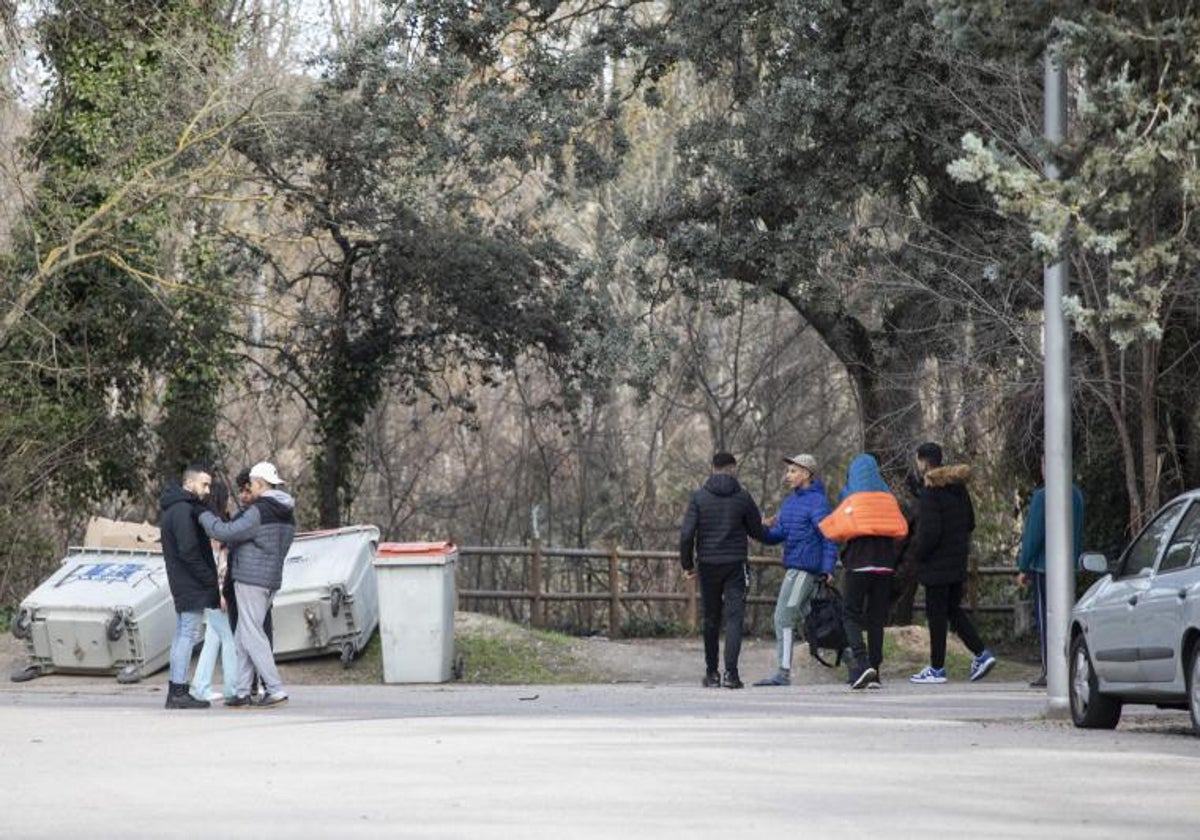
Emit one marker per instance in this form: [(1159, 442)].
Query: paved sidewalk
[(588, 761)]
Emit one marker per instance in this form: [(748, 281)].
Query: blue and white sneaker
[(982, 664), (929, 676)]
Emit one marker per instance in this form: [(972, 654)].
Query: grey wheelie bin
[(105, 611), (416, 610), (328, 602)]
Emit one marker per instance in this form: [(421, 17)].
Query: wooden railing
[(614, 595)]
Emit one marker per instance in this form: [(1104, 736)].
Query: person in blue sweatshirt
[(1031, 560), (807, 556)]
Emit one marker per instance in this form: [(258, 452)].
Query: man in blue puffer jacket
[(807, 556)]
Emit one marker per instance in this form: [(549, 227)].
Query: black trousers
[(865, 597), (723, 595), (943, 606)]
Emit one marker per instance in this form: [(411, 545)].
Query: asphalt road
[(959, 760)]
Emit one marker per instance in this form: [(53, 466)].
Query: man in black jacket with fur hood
[(719, 518), (945, 520), (191, 574)]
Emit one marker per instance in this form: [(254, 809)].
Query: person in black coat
[(191, 574), (945, 520), (719, 518)]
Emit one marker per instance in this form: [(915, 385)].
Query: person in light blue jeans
[(218, 639), (187, 632)]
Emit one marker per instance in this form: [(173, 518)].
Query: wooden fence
[(537, 588)]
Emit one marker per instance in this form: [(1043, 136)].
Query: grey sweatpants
[(253, 649), (791, 608)]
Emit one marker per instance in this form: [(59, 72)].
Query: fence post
[(614, 591), (535, 584)]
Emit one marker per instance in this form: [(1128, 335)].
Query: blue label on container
[(109, 572)]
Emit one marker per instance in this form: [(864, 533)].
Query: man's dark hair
[(194, 469), (243, 479), (930, 453), (723, 460)]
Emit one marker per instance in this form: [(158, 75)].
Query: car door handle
[(1133, 600)]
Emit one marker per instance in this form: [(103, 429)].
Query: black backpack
[(823, 626)]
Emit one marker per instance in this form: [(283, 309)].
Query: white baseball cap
[(267, 472)]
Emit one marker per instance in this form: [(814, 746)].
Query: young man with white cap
[(807, 556), (261, 537)]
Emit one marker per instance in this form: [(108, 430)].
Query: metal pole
[(1060, 565)]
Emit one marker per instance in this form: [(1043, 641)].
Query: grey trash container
[(328, 602), (416, 610), (105, 611)]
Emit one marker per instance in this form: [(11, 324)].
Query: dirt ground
[(674, 661)]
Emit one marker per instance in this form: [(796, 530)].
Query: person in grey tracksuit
[(262, 536)]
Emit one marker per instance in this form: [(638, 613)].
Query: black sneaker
[(241, 701), (732, 680), (270, 701), (864, 679), (711, 680), (1040, 682)]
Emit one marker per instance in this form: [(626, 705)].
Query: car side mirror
[(1094, 563)]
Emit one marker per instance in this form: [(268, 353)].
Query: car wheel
[(1193, 686), (1089, 708)]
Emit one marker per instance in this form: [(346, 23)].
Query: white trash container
[(416, 610), (328, 601), (105, 611)]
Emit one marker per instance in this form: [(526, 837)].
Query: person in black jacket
[(945, 520), (719, 518), (191, 574)]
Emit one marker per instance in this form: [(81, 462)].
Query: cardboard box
[(111, 533)]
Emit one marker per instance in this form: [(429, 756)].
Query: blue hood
[(863, 477)]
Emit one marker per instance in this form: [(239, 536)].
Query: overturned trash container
[(328, 601), (105, 611), (416, 610)]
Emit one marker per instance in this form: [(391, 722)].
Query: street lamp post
[(1060, 565)]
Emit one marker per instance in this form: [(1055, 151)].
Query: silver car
[(1135, 634)]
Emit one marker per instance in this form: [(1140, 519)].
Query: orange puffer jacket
[(868, 514)]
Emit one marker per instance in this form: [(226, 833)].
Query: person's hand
[(689, 574), (827, 578), (224, 606), (1022, 579), (770, 521)]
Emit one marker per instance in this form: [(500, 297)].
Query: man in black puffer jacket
[(719, 518), (945, 520), (191, 574)]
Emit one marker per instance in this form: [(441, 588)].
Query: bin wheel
[(115, 627), (459, 669), (335, 602), (129, 675), (348, 653), (26, 673), (20, 627)]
